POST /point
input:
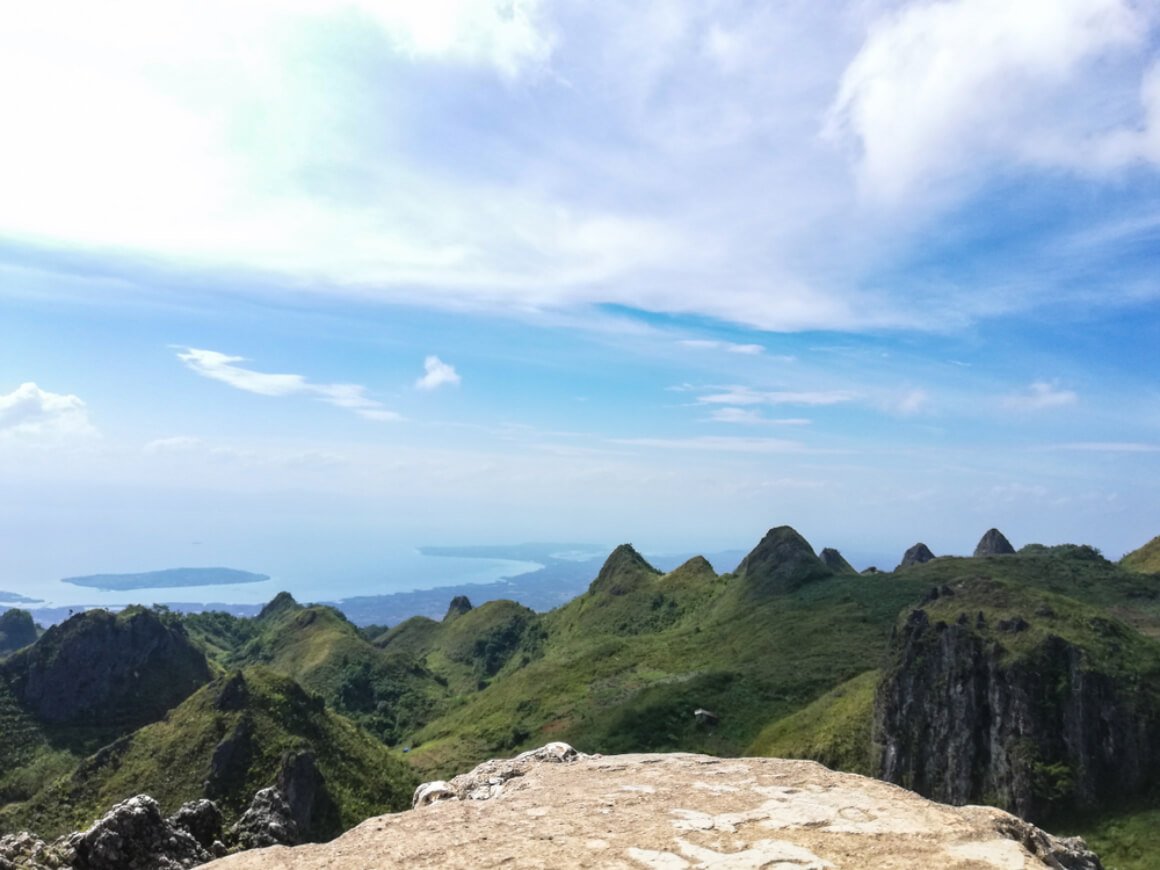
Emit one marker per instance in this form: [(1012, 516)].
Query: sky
[(295, 286)]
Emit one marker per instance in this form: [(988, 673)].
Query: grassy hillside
[(1145, 560), (226, 742)]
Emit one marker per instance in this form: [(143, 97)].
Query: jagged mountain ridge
[(621, 667)]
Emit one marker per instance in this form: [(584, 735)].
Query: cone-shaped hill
[(782, 562), (836, 562), (919, 554), (623, 571), (994, 543)]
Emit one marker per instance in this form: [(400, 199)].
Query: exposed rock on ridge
[(122, 669), (781, 562), (994, 543), (1003, 709), (916, 555), (836, 562), (680, 811)]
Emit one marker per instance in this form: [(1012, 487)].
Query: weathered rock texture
[(836, 562), (679, 811), (994, 543), (781, 562), (916, 555), (123, 669), (133, 835), (960, 718)]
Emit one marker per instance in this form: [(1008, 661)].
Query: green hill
[(1145, 560), (229, 739)]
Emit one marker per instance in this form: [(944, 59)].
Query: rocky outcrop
[(679, 811), (781, 562), (460, 605), (268, 821), (1003, 708), (133, 835), (836, 562), (123, 670), (17, 630), (916, 555), (994, 543)]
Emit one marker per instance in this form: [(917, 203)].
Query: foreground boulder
[(677, 811), (133, 835)]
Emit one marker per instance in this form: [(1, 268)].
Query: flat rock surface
[(679, 811)]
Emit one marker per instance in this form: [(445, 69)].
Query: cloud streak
[(223, 367), (1040, 396)]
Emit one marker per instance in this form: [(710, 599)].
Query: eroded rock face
[(268, 821), (961, 720), (993, 543), (133, 835), (678, 811), (916, 555)]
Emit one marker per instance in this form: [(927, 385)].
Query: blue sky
[(292, 286)]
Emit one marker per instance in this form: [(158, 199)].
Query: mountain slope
[(231, 738), (1145, 560)]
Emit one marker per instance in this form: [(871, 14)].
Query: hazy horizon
[(290, 288)]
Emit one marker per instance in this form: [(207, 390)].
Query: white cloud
[(749, 416), (35, 414), (942, 88), (729, 346), (913, 402), (438, 373), (222, 367), (1110, 447), (1040, 396), (716, 443), (748, 396), (174, 444)]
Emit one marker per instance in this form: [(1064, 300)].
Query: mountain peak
[(280, 603), (836, 562), (782, 562), (916, 555), (994, 543), (460, 605), (622, 571), (1146, 559)]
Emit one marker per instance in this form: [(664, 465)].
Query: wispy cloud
[(752, 417), (728, 346), (437, 374), (717, 444), (223, 367), (738, 395), (1041, 395), (1109, 446), (34, 414)]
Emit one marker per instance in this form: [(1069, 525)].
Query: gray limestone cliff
[(994, 695)]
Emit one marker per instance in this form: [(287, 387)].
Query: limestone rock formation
[(994, 543), (623, 571), (679, 811), (1010, 711), (133, 835), (268, 821), (836, 562), (460, 605), (17, 630), (128, 668), (916, 555), (781, 562)]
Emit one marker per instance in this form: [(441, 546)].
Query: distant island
[(168, 578), (14, 598)]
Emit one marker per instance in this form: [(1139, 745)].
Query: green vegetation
[(834, 729), (16, 630), (1145, 560), (261, 717)]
